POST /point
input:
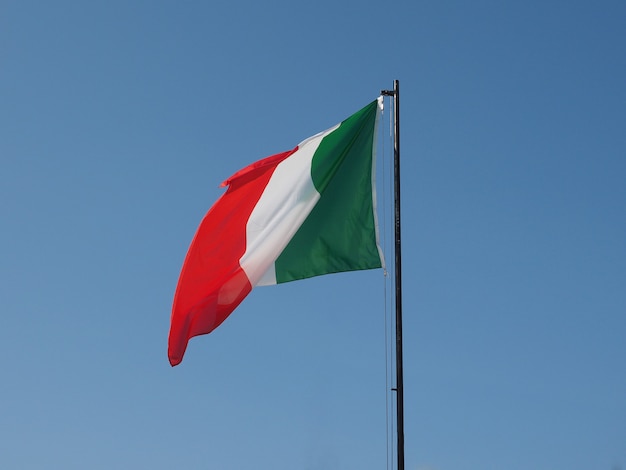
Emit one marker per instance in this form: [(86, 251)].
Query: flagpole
[(399, 388)]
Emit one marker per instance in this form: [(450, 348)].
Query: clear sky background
[(118, 121)]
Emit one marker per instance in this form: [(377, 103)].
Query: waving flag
[(298, 214)]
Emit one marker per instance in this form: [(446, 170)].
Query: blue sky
[(118, 121)]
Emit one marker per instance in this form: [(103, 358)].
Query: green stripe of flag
[(340, 233)]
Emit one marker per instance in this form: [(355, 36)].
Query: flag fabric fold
[(297, 214)]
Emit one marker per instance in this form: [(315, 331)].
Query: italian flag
[(298, 214)]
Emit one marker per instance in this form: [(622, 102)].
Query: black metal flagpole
[(399, 389)]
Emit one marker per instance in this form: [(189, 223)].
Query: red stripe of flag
[(212, 283)]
